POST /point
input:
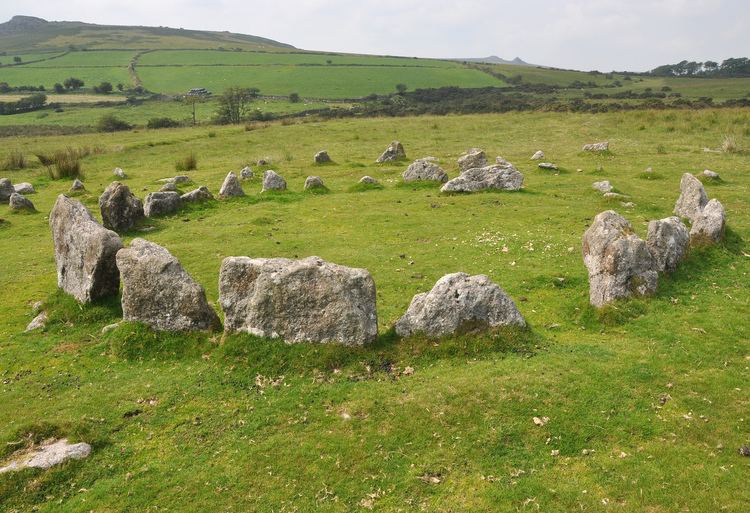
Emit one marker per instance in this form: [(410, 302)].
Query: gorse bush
[(111, 123), (188, 163)]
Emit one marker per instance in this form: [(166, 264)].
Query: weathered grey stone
[(394, 151), (548, 165), (709, 225), (614, 196), (321, 157), (710, 175), (599, 146), (272, 181), (692, 197), (306, 300), (501, 161), (119, 207), (161, 203), (246, 173), (482, 178), (84, 252), (157, 291), (459, 303), (264, 162), (50, 453), (200, 194), (179, 179), (368, 179), (20, 203), (24, 188), (314, 182), (425, 170), (119, 173), (168, 187), (472, 159), (603, 186), (539, 155), (6, 189), (39, 322), (77, 186), (231, 186), (668, 241), (619, 263)]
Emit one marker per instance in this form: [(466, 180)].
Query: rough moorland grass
[(647, 400)]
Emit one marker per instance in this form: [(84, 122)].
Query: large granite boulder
[(198, 195), (162, 203), (157, 291), (24, 188), (322, 157), (692, 197), (232, 187), (668, 240), (459, 303), (473, 158), (496, 177), (119, 207), (6, 189), (272, 181), (620, 264), (709, 225), (425, 170), (306, 300), (394, 151), (20, 203), (599, 146), (84, 252), (50, 453)]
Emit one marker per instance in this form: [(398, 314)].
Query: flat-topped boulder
[(473, 158), (314, 182), (619, 263), (308, 300), (197, 195), (162, 203), (708, 226), (47, 455), (394, 152), (459, 303), (668, 241), (6, 189), (495, 177), (20, 203), (604, 186), (24, 188), (597, 146), (321, 157), (231, 187), (692, 197), (426, 170), (119, 207), (157, 291), (84, 252)]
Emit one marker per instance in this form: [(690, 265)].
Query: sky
[(633, 35)]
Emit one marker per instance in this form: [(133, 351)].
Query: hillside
[(27, 33)]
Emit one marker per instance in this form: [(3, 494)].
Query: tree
[(17, 60), (73, 83), (234, 102), (103, 88), (59, 88), (111, 123), (401, 88), (294, 97)]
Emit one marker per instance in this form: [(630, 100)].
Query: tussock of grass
[(365, 187), (318, 189), (14, 161), (187, 163), (136, 341)]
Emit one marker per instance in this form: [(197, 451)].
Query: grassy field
[(48, 76), (647, 402)]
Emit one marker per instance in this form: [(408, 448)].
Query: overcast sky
[(580, 34)]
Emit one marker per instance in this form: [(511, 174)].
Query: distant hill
[(27, 33), (494, 59)]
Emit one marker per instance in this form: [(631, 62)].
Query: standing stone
[(709, 225), (425, 170), (620, 264), (119, 173), (161, 203), (246, 173), (157, 291), (603, 186), (314, 182), (231, 187), (539, 155), (600, 146), (272, 181), (20, 203), (24, 188), (322, 157), (119, 207), (306, 300), (6, 189), (484, 178), (77, 186), (473, 158), (197, 195), (84, 252), (459, 303), (668, 241), (394, 151), (692, 197)]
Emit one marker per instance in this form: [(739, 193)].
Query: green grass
[(48, 76), (203, 423)]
